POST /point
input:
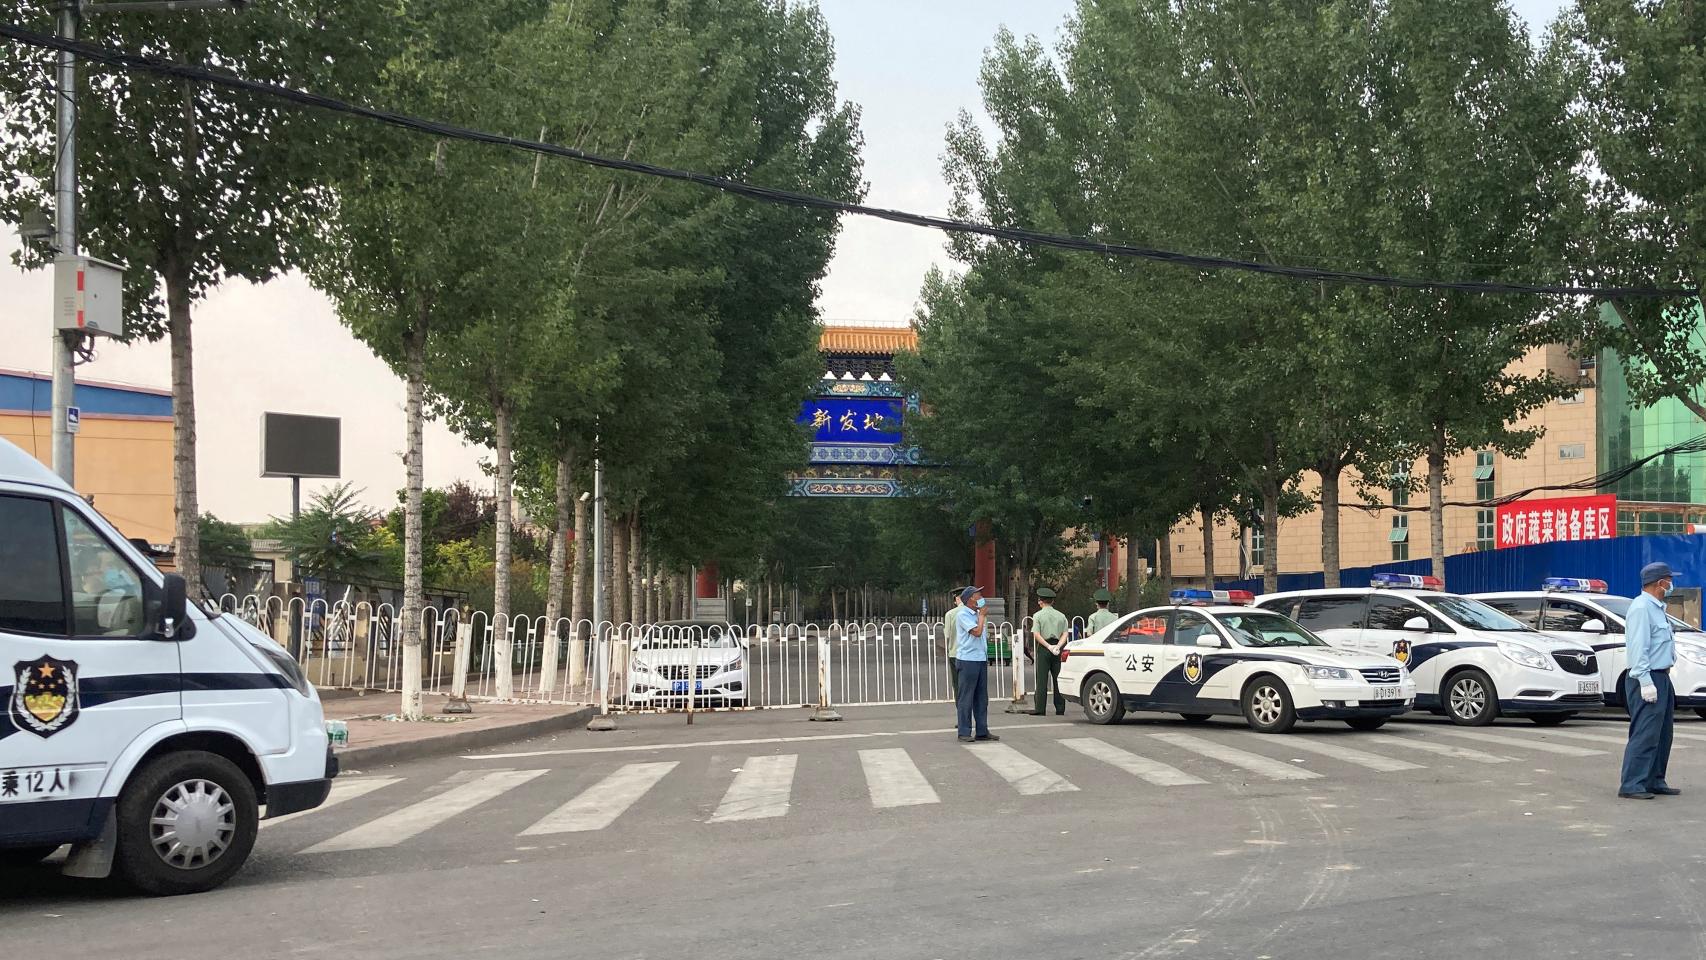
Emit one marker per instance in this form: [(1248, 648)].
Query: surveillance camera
[(585, 497)]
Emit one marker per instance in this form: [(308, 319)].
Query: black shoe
[(974, 740), (1643, 795), (989, 736), (1667, 791), (1036, 713)]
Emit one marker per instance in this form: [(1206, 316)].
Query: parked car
[(673, 661)]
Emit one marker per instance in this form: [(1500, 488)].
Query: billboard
[(1558, 520), (293, 445), (836, 420)]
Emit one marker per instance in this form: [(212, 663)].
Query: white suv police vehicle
[(1209, 653), (1579, 609), (1471, 662), (142, 730)]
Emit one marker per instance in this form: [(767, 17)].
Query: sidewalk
[(375, 740)]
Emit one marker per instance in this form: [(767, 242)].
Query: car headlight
[(1316, 672), (1525, 655), (642, 666), (1692, 651)]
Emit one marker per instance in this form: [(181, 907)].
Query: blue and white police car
[(1471, 662), (1209, 653), (1579, 609), (142, 730)]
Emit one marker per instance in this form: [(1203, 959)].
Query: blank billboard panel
[(293, 445)]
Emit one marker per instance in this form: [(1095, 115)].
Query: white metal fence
[(643, 667)]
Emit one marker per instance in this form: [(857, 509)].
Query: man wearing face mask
[(972, 697), (1647, 690)]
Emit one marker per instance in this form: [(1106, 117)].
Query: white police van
[(140, 729), (1210, 653), (1579, 609), (1471, 662)]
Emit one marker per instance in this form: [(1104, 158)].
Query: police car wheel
[(16, 857), (1197, 717), (1470, 700), (1102, 702), (186, 823), (1550, 719), (1267, 706), (1366, 723)]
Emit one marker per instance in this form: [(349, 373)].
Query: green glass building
[(1669, 493)]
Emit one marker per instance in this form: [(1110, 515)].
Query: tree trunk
[(631, 582), (559, 569), (1329, 472), (414, 347), (1270, 536), (1134, 574), (1164, 561), (1436, 501), (1208, 548), (186, 538), (503, 630), (619, 571), (578, 594)]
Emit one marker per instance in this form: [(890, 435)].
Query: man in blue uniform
[(972, 697), (1647, 690)]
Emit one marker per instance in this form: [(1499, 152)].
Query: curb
[(462, 741)]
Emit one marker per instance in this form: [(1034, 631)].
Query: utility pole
[(601, 641), (65, 224)]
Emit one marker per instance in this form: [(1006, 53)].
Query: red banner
[(1561, 519)]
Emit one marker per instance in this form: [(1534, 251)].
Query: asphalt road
[(762, 835)]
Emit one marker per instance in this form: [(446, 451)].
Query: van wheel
[(1366, 723), (186, 823), (1550, 719), (1267, 706), (1102, 702), (20, 857), (1470, 700)]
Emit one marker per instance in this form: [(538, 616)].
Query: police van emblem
[(1401, 651), (44, 696), (1193, 667)]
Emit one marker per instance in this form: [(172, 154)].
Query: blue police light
[(1572, 585), (1198, 597), (1405, 581)]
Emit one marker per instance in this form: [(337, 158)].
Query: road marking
[(1253, 762), (755, 741), (599, 805), (760, 790), (417, 818), (1337, 751), (1612, 739), (1026, 775), (894, 780), (1443, 749), (1519, 743), (1153, 771), (341, 790)]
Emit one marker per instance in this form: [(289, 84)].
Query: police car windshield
[(1259, 628), (1619, 608), (1476, 615)]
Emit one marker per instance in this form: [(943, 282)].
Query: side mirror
[(1209, 640), (174, 609), (1418, 624), (1595, 625)]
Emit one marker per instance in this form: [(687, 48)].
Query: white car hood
[(1533, 638), (685, 656)]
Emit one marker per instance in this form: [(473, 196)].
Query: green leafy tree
[(223, 543), (333, 535)]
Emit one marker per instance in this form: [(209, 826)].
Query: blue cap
[(1654, 572), (969, 592)]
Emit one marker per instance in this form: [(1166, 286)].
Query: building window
[(1401, 486), (1484, 537), (1400, 537), (1572, 451), (1572, 398), (1258, 547)]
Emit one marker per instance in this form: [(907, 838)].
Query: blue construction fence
[(1617, 561)]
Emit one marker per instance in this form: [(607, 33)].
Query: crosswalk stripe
[(1682, 736), (1253, 762), (417, 818), (1026, 775), (1607, 738), (341, 790), (1152, 771), (760, 790), (894, 780), (599, 805), (1338, 751), (1519, 743), (1442, 749)]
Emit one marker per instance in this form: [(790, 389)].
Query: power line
[(169, 68)]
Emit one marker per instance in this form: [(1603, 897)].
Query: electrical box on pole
[(88, 296)]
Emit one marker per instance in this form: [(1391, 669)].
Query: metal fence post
[(603, 720), (825, 710), (459, 671), (1016, 658)]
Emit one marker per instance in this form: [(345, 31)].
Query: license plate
[(34, 783), (1388, 693), (681, 686), (1587, 686)]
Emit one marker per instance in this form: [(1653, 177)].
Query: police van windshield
[(1476, 615), (1259, 628)]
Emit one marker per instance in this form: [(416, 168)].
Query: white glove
[(1649, 693)]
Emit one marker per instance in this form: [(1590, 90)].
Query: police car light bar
[(1572, 585), (1198, 597), (1406, 581)]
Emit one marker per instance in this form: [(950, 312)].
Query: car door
[(1336, 618), (1134, 653), (81, 672), (1385, 633), (1185, 664), (1565, 618)]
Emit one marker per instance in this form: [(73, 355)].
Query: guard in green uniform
[(1048, 629), (1103, 616)]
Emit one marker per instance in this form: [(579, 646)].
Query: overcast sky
[(910, 64)]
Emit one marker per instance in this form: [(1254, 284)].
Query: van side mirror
[(174, 609), (1595, 625), (1418, 624)]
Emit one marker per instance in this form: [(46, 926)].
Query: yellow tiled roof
[(882, 340)]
